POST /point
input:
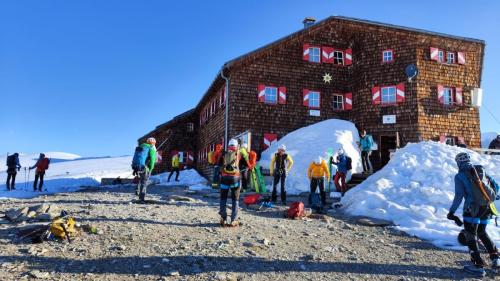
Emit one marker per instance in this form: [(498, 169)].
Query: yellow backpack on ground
[(60, 226)]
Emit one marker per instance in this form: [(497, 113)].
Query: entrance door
[(245, 137), (388, 144)]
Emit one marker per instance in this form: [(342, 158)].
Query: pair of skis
[(257, 180)]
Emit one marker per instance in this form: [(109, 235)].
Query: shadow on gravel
[(190, 265)]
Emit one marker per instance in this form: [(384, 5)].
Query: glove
[(134, 173), (451, 216), (18, 169)]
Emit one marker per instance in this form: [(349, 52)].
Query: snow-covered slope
[(487, 137), (67, 172), (312, 141), (415, 190)]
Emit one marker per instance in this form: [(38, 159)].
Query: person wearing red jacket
[(42, 164)]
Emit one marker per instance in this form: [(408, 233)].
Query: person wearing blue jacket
[(476, 217), (366, 144), (342, 164)]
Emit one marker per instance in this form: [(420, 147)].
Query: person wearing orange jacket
[(41, 165), (316, 173), (216, 155)]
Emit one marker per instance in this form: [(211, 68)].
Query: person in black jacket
[(13, 167), (495, 144)]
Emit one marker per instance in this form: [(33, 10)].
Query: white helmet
[(318, 160), (233, 142), (341, 151), (151, 141), (282, 147)]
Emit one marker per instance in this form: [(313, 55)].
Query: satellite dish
[(411, 71)]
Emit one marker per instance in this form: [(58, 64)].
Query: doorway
[(388, 144)]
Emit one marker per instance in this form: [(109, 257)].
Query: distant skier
[(230, 182), (495, 144), (143, 164), (317, 172), (344, 164), (366, 144), (42, 164), (281, 163), (175, 168), (13, 167), (479, 190), (243, 166)]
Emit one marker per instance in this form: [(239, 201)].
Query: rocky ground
[(178, 238)]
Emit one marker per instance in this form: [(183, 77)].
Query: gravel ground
[(181, 240)]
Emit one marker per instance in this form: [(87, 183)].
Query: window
[(448, 96), (314, 99), (338, 102), (450, 141), (222, 97), (314, 54), (271, 95), (338, 57), (388, 95), (441, 56), (387, 56), (212, 108), (450, 57), (190, 127)]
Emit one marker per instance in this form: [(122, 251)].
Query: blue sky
[(91, 76)]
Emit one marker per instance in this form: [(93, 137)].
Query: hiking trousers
[(279, 178), (315, 183), (143, 184), (339, 181), (11, 181), (176, 170), (476, 228), (235, 199), (365, 159), (244, 179), (38, 175)]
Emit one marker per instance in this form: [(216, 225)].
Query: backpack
[(43, 164), (11, 161), (349, 163), (483, 193), (296, 210), (251, 199), (230, 159), (140, 157)]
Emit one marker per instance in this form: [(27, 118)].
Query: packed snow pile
[(487, 137), (307, 143), (67, 172), (189, 178), (415, 190)]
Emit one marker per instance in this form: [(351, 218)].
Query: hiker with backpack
[(230, 182), (143, 164), (281, 163), (41, 165), (366, 144), (13, 167), (316, 173), (344, 165), (479, 191), (175, 167)]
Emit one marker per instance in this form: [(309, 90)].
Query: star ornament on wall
[(327, 78)]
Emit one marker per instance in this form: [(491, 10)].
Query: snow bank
[(67, 172), (312, 141), (415, 190), (487, 137), (189, 177)]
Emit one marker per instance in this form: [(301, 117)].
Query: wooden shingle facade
[(347, 69)]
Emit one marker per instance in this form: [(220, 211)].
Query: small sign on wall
[(389, 119), (314, 112)]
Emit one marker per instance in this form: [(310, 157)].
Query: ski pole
[(25, 180)]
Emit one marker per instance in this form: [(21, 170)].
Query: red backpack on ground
[(251, 199), (296, 210)]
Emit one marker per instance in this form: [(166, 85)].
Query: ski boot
[(235, 223), (222, 222)]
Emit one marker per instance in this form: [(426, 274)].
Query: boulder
[(14, 214), (373, 222)]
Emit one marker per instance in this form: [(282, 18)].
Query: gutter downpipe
[(226, 116)]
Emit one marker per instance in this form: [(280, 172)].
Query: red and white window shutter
[(269, 139), (327, 54), (400, 92), (305, 52), (459, 97), (261, 93), (376, 97), (348, 101), (460, 58), (190, 158), (282, 95), (348, 57), (305, 97), (442, 139), (440, 90), (434, 53)]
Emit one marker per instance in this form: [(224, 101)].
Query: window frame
[(441, 55), (190, 127), (382, 95), (392, 56), (448, 57), (335, 58), (311, 48), (310, 93), (452, 92), (266, 87), (336, 102)]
